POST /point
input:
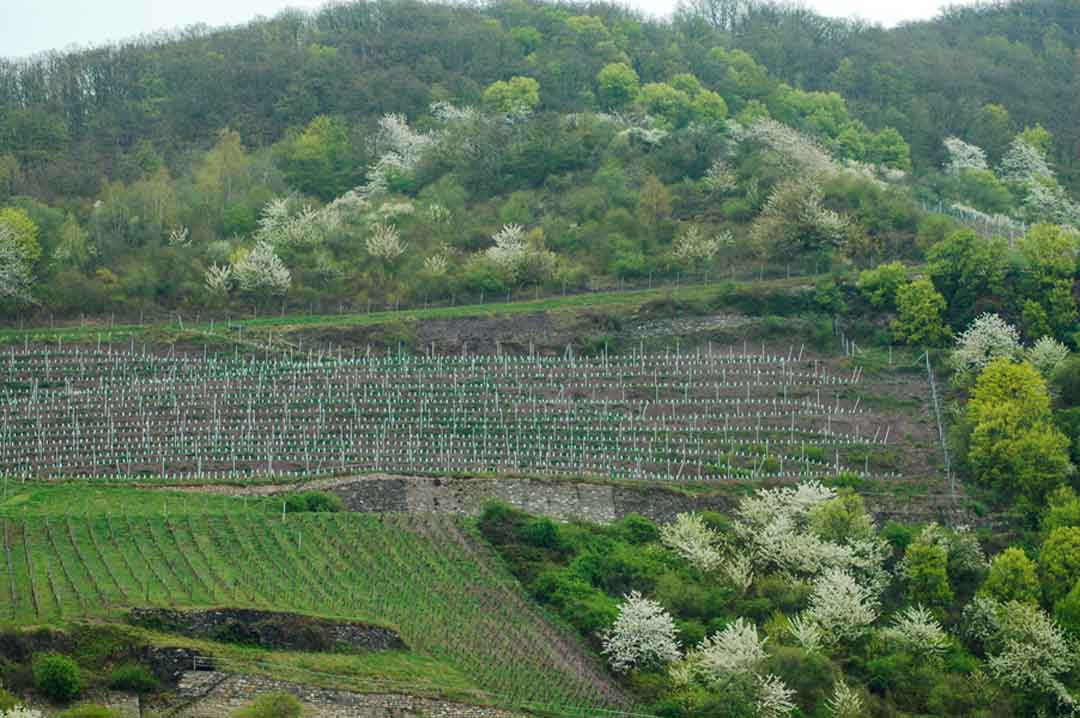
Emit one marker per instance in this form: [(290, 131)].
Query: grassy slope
[(79, 552), (91, 330)]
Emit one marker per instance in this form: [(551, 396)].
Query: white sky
[(31, 26)]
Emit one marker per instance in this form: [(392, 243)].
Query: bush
[(133, 677), (313, 502), (636, 529), (7, 701), (1067, 611), (57, 677), (272, 705)]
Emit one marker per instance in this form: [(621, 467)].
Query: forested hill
[(394, 151)]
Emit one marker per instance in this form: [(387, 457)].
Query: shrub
[(272, 705), (313, 502), (133, 677), (57, 677)]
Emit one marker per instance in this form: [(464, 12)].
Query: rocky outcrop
[(269, 629)]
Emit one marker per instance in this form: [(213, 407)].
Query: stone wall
[(269, 629), (209, 694), (592, 501)]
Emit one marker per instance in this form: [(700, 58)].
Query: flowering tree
[(1029, 651), (384, 243), (989, 337), (916, 629), (518, 256), (261, 272), (775, 699), (689, 537), (841, 608), (735, 650), (282, 224), (694, 249), (15, 276), (844, 702), (643, 635), (219, 280), (794, 222), (1046, 355), (776, 525), (400, 152), (963, 156), (720, 178)]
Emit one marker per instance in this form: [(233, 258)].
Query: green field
[(74, 553)]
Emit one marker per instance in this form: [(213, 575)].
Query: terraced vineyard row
[(711, 415), (424, 575)]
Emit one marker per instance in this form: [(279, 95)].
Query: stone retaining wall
[(209, 694), (592, 501)]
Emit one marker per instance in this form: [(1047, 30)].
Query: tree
[(519, 95), (1059, 562), (967, 269), (617, 85), (1013, 445), (794, 223), (925, 571), (840, 608), (917, 631), (1046, 355), (643, 635), (689, 537), (261, 273), (921, 308), (986, 339), (320, 160), (23, 232), (1029, 651), (880, 284), (664, 101), (1012, 577), (15, 277)]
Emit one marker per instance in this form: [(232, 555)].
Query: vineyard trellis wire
[(710, 415), (425, 575)]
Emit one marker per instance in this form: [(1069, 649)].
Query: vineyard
[(424, 575), (709, 415)]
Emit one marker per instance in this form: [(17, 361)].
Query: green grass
[(67, 558)]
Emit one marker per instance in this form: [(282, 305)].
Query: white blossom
[(798, 153), (16, 279), (179, 237), (734, 651), (279, 224), (643, 635), (1030, 651), (739, 571), (806, 632), (436, 265), (261, 270), (775, 699), (400, 152), (963, 156), (720, 179), (841, 608), (689, 537), (385, 243), (844, 702), (218, 279), (989, 337), (510, 247), (694, 248), (1047, 354), (916, 629), (1023, 162)]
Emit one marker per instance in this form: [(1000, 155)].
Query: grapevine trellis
[(425, 575), (707, 415)]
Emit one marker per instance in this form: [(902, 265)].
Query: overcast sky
[(31, 26)]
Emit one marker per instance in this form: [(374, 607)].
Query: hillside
[(450, 360)]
